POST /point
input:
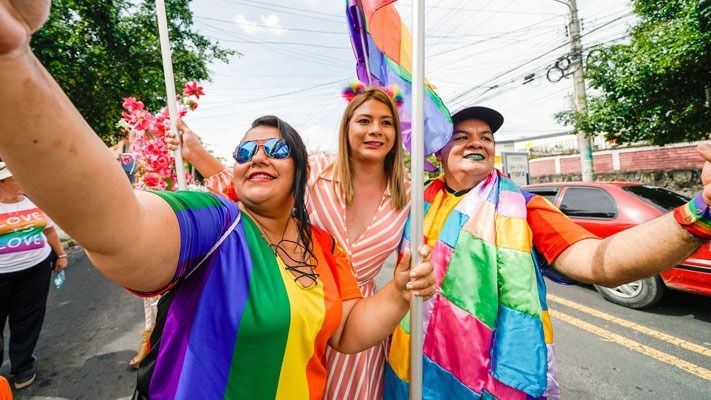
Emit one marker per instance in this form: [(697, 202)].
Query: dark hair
[(301, 167)]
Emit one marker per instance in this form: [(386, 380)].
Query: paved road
[(92, 329), (603, 353), (610, 352)]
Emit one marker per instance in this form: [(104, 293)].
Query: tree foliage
[(653, 89), (428, 175), (100, 51)]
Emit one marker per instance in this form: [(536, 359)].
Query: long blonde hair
[(394, 167)]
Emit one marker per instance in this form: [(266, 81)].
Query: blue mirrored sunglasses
[(275, 148)]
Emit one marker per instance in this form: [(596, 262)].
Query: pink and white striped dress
[(350, 376)]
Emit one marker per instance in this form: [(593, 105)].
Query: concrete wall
[(675, 167), (684, 181)]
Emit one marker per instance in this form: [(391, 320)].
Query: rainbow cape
[(382, 45), (487, 332)]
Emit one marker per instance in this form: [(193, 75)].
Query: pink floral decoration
[(193, 89), (147, 137)]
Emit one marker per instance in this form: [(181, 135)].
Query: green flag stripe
[(257, 359)]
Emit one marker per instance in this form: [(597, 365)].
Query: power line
[(521, 31), (227, 21), (284, 10), (479, 53), (280, 43), (500, 89), (300, 9), (503, 88), (495, 86), (597, 28), (448, 13), (459, 96), (289, 75), (293, 53), (481, 10), (282, 94), (537, 99), (464, 21), (477, 26), (313, 98)]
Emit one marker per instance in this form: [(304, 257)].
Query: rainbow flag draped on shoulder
[(235, 324), (382, 45)]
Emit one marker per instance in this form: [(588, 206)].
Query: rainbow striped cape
[(487, 332), (382, 45)]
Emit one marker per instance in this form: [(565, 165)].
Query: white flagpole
[(417, 200), (170, 87)]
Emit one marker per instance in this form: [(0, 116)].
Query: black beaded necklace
[(301, 268)]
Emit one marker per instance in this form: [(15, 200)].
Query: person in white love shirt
[(30, 250)]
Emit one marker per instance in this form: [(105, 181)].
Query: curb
[(66, 240)]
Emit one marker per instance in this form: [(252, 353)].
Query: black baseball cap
[(486, 114)]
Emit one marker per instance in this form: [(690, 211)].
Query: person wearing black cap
[(468, 160), (487, 331), (464, 165)]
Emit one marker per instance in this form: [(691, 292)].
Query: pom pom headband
[(354, 89)]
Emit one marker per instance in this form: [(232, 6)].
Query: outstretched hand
[(419, 280), (705, 150), (18, 20)]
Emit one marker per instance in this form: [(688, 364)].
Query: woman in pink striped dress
[(360, 196)]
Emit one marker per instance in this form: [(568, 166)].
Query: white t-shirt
[(22, 240)]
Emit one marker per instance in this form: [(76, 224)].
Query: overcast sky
[(296, 57)]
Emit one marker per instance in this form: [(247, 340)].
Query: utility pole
[(576, 48)]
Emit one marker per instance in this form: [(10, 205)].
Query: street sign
[(516, 166)]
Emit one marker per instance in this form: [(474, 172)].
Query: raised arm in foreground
[(69, 173), (643, 250)]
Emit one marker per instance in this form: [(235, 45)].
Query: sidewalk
[(66, 240)]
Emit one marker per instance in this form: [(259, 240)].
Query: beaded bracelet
[(695, 217)]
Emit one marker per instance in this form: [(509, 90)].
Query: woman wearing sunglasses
[(360, 196), (252, 294)]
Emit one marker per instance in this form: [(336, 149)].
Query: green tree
[(101, 51), (653, 88), (428, 175)]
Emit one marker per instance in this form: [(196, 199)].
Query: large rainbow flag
[(240, 327), (382, 45)]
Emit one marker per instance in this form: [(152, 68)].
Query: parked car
[(605, 208)]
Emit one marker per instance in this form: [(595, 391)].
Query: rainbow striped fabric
[(239, 326), (695, 217), (21, 227), (382, 45), (23, 243), (487, 332)]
